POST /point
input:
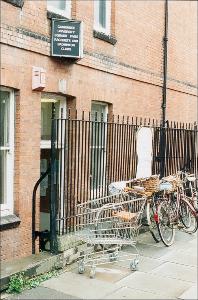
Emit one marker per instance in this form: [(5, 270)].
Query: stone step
[(40, 263)]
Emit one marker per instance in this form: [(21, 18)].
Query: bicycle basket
[(150, 184)]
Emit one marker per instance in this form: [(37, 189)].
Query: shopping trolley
[(107, 224)]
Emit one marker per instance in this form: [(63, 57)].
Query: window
[(46, 116), (98, 145), (61, 7), (6, 150), (102, 15)]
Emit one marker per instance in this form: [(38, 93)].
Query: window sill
[(105, 37), (53, 15), (8, 222), (17, 3)]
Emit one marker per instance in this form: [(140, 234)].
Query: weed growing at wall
[(20, 282)]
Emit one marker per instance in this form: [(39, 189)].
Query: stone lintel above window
[(9, 221), (52, 15), (105, 37), (17, 3)]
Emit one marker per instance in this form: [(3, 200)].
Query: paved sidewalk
[(164, 273)]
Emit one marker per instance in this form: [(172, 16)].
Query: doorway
[(48, 104)]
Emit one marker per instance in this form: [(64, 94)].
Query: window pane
[(46, 117), (4, 118), (102, 13), (46, 114), (58, 4), (2, 176), (98, 142)]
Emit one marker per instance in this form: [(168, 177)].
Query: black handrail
[(34, 206)]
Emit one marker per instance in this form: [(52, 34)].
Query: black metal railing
[(91, 151)]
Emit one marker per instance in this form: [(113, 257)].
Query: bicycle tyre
[(188, 217), (153, 228), (165, 225)]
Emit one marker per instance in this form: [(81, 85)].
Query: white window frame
[(65, 13), (46, 144), (97, 25), (7, 208)]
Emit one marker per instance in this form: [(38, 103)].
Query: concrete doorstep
[(40, 263)]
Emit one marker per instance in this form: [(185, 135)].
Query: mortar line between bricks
[(124, 76), (116, 74)]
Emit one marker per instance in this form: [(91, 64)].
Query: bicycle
[(148, 187), (190, 190), (175, 211), (190, 194)]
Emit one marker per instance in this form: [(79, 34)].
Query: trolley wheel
[(92, 272), (134, 264), (113, 256), (81, 268)]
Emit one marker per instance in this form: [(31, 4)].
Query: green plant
[(20, 282), (17, 283)]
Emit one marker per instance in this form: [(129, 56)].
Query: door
[(48, 103)]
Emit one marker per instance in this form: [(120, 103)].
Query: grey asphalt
[(163, 273)]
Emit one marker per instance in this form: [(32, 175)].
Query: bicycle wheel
[(188, 217), (165, 224), (152, 218)]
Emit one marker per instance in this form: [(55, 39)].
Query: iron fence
[(90, 152)]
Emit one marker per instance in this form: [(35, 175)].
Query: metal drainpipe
[(164, 98), (165, 42)]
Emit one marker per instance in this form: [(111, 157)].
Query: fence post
[(162, 151), (196, 153), (53, 198)]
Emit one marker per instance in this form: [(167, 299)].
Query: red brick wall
[(128, 75)]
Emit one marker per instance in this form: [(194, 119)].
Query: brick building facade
[(122, 67)]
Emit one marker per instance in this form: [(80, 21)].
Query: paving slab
[(164, 273), (80, 286), (108, 272), (146, 238), (188, 258), (41, 293), (194, 240), (153, 283), (177, 271), (149, 250), (146, 264), (182, 236), (129, 293), (190, 294)]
